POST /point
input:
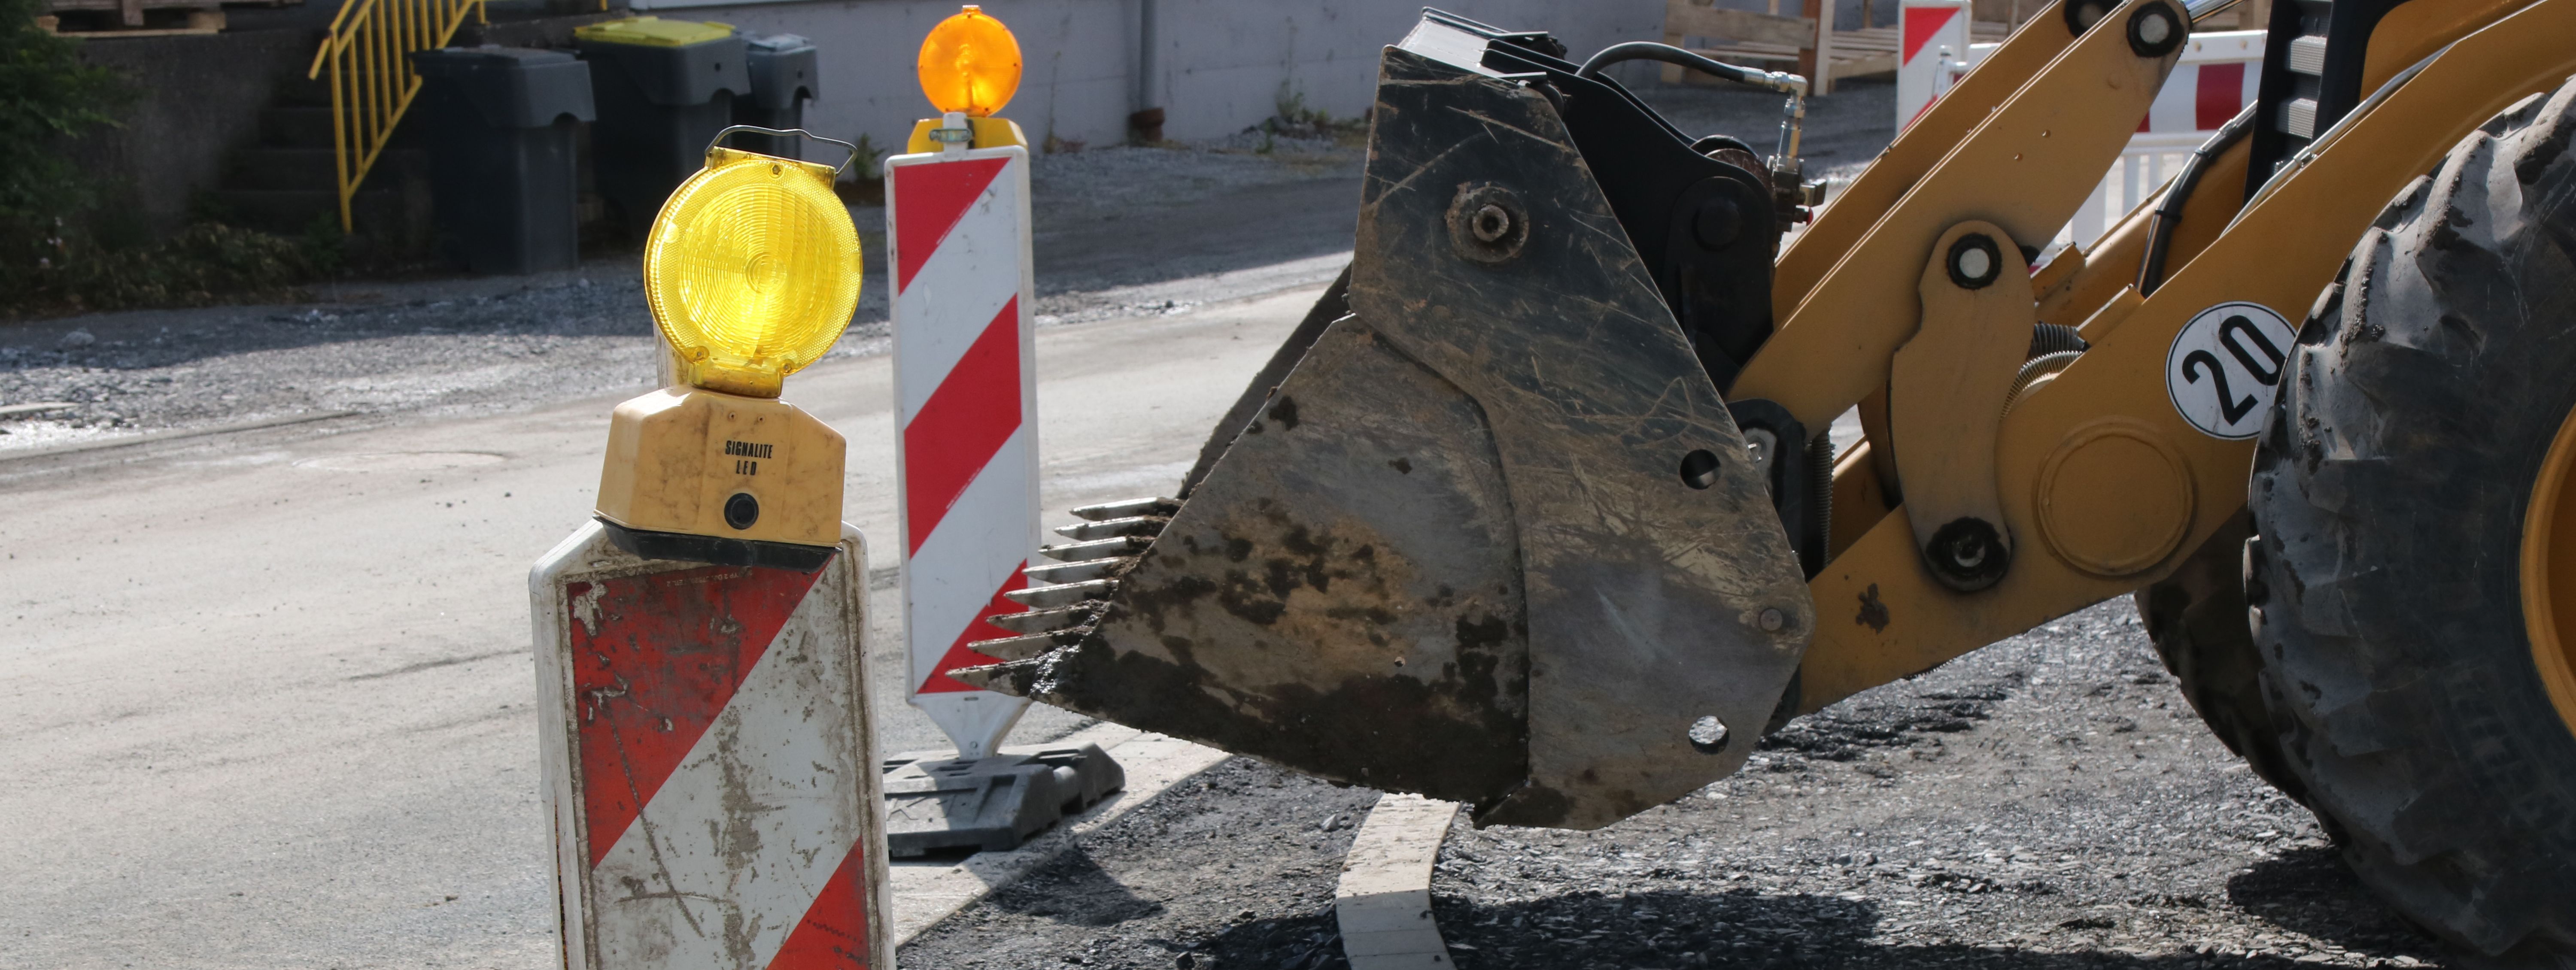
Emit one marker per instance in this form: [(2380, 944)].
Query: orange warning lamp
[(751, 271), (969, 67), (970, 64)]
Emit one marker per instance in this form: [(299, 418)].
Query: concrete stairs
[(288, 183)]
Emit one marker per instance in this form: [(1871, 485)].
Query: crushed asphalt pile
[(2050, 801), (1233, 868)]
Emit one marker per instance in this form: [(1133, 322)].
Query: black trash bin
[(503, 173), (782, 80), (665, 88)]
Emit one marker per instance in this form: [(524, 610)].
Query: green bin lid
[(652, 32)]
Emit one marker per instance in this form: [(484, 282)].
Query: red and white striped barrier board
[(965, 385), (2215, 78), (1932, 50), (709, 763)]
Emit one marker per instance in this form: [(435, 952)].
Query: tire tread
[(2388, 492)]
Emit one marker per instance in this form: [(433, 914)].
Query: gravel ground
[(1124, 231), (2050, 801), (421, 347), (1233, 868), (1121, 231)]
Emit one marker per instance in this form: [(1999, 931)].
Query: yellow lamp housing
[(751, 271), (970, 64), (716, 477)]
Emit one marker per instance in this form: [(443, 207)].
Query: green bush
[(48, 97), (203, 263)]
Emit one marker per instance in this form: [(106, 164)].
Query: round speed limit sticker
[(2226, 367)]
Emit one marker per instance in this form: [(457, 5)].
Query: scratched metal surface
[(710, 770), (1340, 595), (1456, 554)]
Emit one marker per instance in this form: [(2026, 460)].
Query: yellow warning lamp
[(969, 67), (751, 272)]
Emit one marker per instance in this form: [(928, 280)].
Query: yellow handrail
[(368, 51)]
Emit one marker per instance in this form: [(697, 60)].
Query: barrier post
[(965, 385), (710, 765), (1925, 30)]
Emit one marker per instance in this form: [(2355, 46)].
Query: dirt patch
[(1232, 869), (2050, 801)]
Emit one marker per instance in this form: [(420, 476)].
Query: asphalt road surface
[(270, 687), (270, 690)]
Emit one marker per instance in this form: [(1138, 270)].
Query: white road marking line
[(1383, 902)]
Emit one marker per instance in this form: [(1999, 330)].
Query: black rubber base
[(991, 804), (717, 550)]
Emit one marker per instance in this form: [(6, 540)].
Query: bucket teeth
[(1436, 547), (1096, 549), (1011, 678), (1062, 594), (1027, 647), (1108, 540), (1079, 572), (1044, 621), (1134, 525), (1163, 507)]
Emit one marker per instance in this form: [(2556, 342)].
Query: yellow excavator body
[(1536, 510)]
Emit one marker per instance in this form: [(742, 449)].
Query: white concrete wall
[(1224, 64)]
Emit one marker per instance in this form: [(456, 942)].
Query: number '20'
[(2232, 335)]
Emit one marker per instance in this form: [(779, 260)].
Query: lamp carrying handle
[(809, 136)]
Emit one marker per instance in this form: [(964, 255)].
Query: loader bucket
[(1494, 538)]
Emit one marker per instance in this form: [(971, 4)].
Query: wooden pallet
[(130, 18), (194, 23)]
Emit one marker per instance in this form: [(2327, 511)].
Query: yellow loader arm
[(1535, 512)]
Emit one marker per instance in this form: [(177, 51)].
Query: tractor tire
[(2389, 492), (2196, 618)]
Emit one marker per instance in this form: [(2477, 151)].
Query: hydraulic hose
[(2160, 224), (1820, 503), (1647, 50), (2200, 10), (1792, 116)]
